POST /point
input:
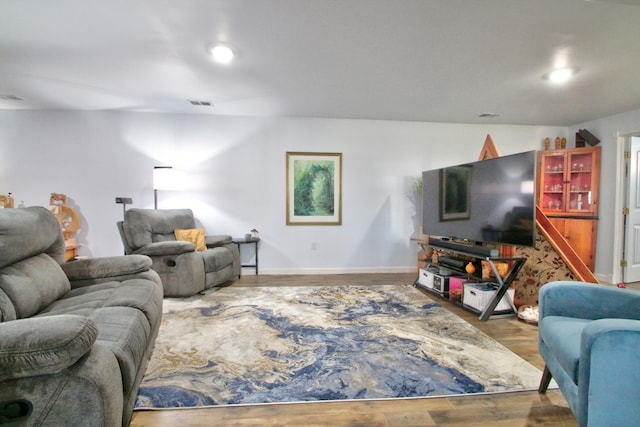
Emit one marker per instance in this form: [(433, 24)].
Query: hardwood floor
[(506, 409)]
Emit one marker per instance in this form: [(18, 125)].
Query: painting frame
[(455, 193), (313, 188)]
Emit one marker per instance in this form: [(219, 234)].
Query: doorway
[(627, 221)]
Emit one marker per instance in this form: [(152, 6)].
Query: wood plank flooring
[(507, 409)]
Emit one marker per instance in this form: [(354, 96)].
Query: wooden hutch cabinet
[(568, 193)]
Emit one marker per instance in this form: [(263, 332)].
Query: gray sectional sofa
[(75, 338)]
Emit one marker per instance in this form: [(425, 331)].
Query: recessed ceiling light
[(560, 75), (222, 54)]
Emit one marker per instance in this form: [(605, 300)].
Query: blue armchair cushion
[(563, 335)]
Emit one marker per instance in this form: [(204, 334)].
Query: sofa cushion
[(38, 346), (144, 226), (193, 235), (7, 310), (34, 283), (562, 336), (217, 258), (125, 314), (140, 294), (27, 232)]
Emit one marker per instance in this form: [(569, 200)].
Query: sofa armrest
[(172, 247), (43, 345), (588, 301), (106, 267), (214, 241)]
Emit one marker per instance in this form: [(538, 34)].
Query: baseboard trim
[(356, 270), (604, 278)]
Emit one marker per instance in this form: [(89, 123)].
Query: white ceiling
[(422, 60)]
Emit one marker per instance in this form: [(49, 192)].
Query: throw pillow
[(193, 235)]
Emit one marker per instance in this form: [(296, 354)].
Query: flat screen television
[(491, 201)]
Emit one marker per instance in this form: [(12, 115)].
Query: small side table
[(242, 241)]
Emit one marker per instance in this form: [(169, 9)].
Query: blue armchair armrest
[(609, 372)]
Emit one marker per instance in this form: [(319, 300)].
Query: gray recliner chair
[(184, 270)]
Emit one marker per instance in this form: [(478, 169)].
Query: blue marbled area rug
[(293, 344)]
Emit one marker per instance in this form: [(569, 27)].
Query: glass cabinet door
[(580, 182), (568, 181), (553, 188)]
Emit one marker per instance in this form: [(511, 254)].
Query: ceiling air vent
[(201, 103), (11, 98)]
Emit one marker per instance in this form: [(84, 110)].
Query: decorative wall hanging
[(6, 201), (69, 223), (314, 188)]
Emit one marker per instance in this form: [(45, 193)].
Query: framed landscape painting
[(314, 188)]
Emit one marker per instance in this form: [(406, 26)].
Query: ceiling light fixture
[(560, 75), (222, 54)]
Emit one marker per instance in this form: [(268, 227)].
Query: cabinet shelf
[(574, 179)]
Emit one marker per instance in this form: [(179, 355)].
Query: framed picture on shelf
[(455, 193), (314, 188)]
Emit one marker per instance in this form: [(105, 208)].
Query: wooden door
[(631, 273)]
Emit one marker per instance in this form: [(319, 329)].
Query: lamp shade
[(167, 178)]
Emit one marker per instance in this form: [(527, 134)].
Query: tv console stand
[(516, 263)]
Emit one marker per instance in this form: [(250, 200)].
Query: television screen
[(486, 201)]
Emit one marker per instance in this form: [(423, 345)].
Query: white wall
[(236, 176), (607, 129)]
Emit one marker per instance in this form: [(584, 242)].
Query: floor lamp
[(166, 178), (124, 201)]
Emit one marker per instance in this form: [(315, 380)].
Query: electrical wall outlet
[(314, 246)]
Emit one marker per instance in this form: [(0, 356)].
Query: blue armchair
[(589, 338)]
